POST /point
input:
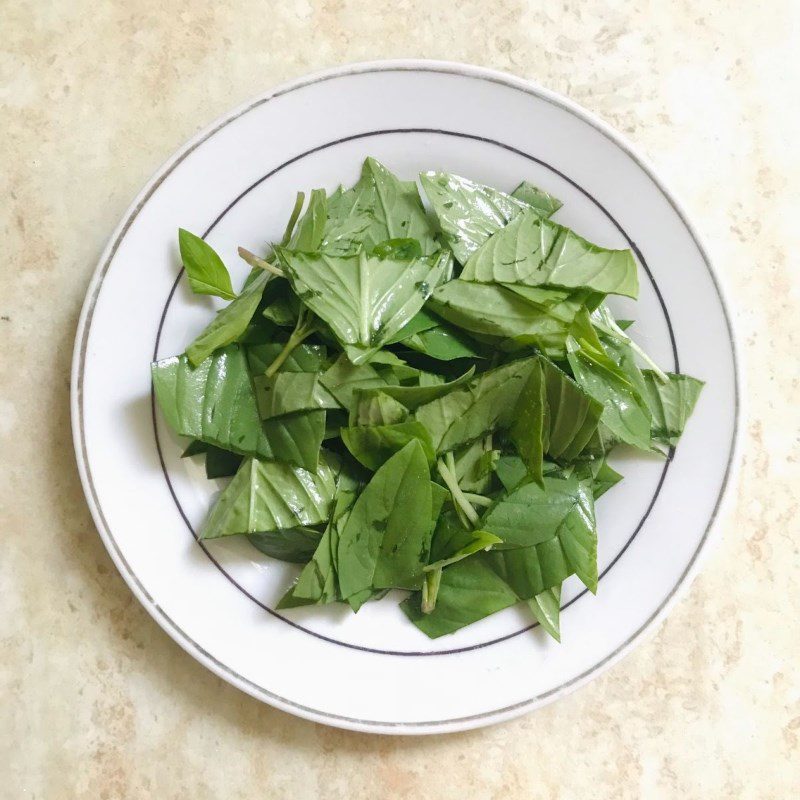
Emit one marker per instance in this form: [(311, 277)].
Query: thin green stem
[(259, 263), (306, 325), (430, 590), (459, 500), (478, 499)]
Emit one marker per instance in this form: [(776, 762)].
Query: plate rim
[(710, 537)]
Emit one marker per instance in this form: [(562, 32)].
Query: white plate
[(235, 183)]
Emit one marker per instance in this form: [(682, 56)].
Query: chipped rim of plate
[(711, 534)]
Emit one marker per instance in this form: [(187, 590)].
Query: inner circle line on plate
[(221, 216)]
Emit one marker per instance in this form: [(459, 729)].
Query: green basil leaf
[(559, 517), (271, 495), (303, 358), (311, 229), (485, 404), (295, 545), (229, 323), (221, 463), (625, 413), (375, 407), (375, 444), (364, 299), (546, 607), (287, 392), (468, 213), (535, 251), (518, 316), (469, 591), (343, 378), (379, 207), (383, 541), (204, 268), (670, 404), (414, 396), (545, 204)]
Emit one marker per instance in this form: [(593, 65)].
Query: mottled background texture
[(95, 700)]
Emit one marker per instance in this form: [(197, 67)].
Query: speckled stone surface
[(95, 701)]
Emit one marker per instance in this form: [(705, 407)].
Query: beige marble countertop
[(95, 700)]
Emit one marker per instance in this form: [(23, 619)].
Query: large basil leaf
[(373, 445), (481, 406), (468, 213), (468, 591), (271, 495), (535, 251), (204, 268), (625, 412), (554, 416), (213, 402), (530, 571), (671, 404), (377, 208), (229, 323), (395, 507), (559, 516), (517, 315), (364, 299), (537, 198), (295, 545)]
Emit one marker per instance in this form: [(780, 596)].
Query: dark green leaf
[(229, 323), (271, 495), (469, 591), (625, 413), (288, 392), (374, 407), (303, 358), (297, 437), (561, 514), (295, 545), (485, 404), (375, 444), (221, 463), (671, 404), (388, 526), (414, 396), (445, 343), (518, 316), (204, 268)]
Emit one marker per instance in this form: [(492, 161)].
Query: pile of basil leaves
[(420, 400)]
